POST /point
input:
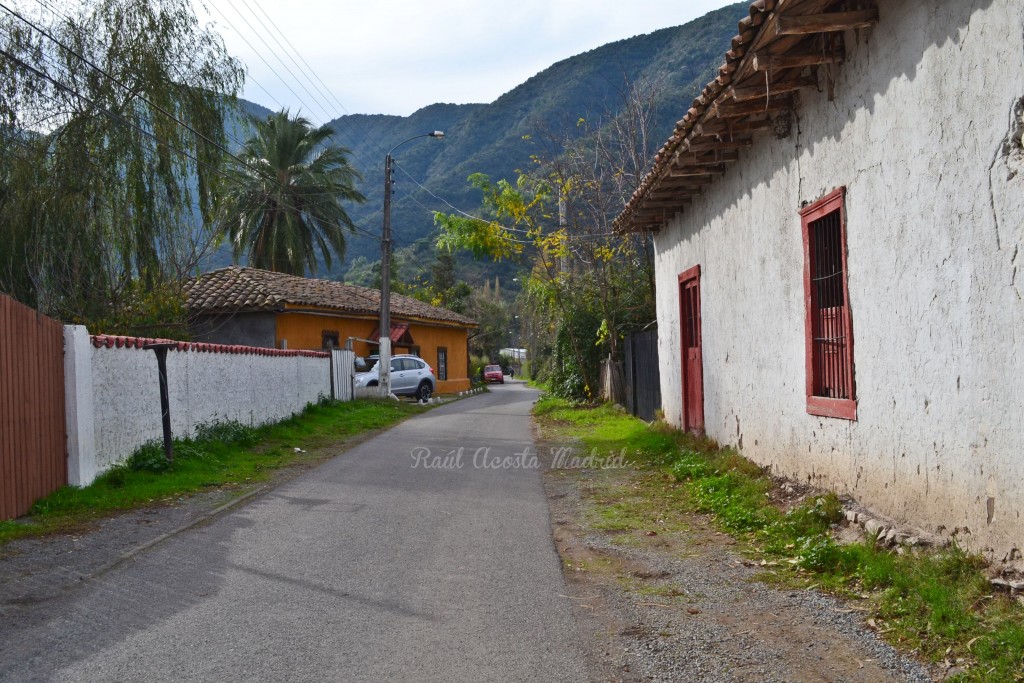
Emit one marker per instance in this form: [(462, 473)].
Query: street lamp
[(384, 363)]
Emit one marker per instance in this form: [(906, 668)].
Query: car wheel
[(372, 383), (503, 381), (423, 391)]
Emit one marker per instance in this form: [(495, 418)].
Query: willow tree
[(284, 205), (113, 119)]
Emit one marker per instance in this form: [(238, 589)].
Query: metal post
[(160, 348), (384, 364)]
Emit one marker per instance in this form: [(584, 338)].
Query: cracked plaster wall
[(925, 133)]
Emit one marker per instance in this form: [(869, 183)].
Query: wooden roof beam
[(718, 145), (670, 205), (731, 110), (667, 187), (697, 172), (765, 61), (724, 128), (650, 215), (825, 23), (753, 92), (693, 159)]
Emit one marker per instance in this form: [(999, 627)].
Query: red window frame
[(825, 371)]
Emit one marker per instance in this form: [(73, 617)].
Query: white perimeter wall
[(925, 107), (251, 386)]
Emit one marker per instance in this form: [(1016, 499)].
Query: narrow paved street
[(371, 567)]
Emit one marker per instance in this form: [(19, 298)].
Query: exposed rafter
[(731, 110), (776, 53), (697, 171), (764, 90), (730, 128), (830, 22), (765, 61)]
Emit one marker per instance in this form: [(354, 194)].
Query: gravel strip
[(684, 606)]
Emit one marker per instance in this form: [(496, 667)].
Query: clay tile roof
[(235, 289), (742, 99)]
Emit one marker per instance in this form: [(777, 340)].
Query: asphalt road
[(372, 567)]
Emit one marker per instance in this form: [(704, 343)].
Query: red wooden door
[(692, 360)]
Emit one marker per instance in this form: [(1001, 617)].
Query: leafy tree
[(112, 135), (284, 204), (445, 289), (587, 287), (494, 318)]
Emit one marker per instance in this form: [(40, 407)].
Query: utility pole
[(384, 364), (384, 351)]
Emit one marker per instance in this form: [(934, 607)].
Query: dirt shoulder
[(660, 595)]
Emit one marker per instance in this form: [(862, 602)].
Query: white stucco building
[(839, 222)]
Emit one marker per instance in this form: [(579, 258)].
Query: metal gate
[(342, 369), (643, 379), (33, 456)]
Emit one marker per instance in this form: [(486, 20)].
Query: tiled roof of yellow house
[(236, 289)]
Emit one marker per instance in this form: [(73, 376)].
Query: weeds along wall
[(113, 384)]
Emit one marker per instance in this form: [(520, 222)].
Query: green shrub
[(229, 432), (148, 458)]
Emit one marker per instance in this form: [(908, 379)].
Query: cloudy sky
[(396, 56)]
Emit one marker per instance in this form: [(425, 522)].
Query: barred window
[(442, 363), (829, 325)]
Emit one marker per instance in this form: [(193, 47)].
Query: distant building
[(518, 355), (839, 226), (262, 308)]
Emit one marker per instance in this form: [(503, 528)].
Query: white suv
[(410, 376)]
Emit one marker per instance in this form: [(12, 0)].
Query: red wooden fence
[(33, 460)]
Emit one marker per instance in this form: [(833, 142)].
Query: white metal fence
[(342, 371)]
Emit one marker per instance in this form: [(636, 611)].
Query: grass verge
[(937, 602), (221, 455)]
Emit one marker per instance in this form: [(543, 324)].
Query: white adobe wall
[(925, 134), (253, 387)]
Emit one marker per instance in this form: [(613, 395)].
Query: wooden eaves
[(781, 48)]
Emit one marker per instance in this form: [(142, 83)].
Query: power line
[(260, 55), (452, 206), (117, 82), (285, 51), (325, 90), (482, 220), (65, 16), (124, 121), (258, 172)]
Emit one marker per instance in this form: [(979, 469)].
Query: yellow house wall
[(305, 331), (429, 338)]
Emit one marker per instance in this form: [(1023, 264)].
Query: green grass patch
[(935, 601), (220, 455)]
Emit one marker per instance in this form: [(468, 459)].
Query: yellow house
[(254, 307)]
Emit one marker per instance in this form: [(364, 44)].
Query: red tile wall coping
[(110, 341)]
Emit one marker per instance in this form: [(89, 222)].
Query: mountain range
[(498, 138)]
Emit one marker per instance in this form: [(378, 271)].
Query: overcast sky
[(394, 57)]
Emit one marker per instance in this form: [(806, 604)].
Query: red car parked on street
[(493, 373)]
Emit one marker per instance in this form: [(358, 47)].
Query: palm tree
[(283, 199)]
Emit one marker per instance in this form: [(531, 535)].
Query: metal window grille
[(829, 319), (442, 363)]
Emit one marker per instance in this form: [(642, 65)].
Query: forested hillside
[(500, 137)]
